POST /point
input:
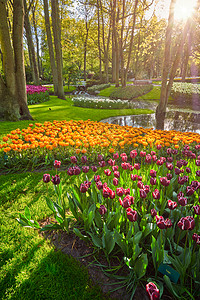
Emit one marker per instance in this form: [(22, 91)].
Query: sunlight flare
[(184, 9)]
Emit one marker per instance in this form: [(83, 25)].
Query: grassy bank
[(57, 109)]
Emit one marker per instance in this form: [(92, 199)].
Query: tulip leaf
[(80, 235), (27, 213), (170, 286), (50, 204), (96, 240), (141, 266), (121, 242), (51, 227)]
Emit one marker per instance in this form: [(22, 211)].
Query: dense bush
[(36, 94), (92, 90), (130, 92), (185, 90)]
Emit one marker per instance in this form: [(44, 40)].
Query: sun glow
[(184, 9)]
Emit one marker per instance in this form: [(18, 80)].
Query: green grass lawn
[(30, 268), (154, 94), (57, 109)]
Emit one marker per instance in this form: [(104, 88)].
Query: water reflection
[(174, 120)]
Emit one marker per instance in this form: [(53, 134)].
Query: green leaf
[(27, 213), (108, 239), (50, 204), (96, 240), (170, 286), (137, 237), (51, 227), (97, 219), (121, 242), (59, 210), (141, 266), (80, 235)]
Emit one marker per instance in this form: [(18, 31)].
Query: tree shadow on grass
[(57, 277)]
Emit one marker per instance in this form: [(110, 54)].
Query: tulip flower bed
[(142, 205), (40, 144), (36, 94)]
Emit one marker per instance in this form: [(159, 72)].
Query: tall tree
[(170, 64), (31, 47), (13, 99), (57, 43), (50, 46)]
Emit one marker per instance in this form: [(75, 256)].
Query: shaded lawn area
[(57, 109), (30, 268)]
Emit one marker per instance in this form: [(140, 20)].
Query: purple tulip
[(55, 179), (102, 210), (115, 155), (131, 214), (107, 172), (46, 178), (153, 181), (115, 181), (153, 212), (57, 164), (85, 169), (84, 159), (156, 194), (133, 154), (120, 191), (73, 159), (186, 223), (152, 173), (164, 181), (94, 168), (102, 163), (197, 209), (116, 174), (172, 205)]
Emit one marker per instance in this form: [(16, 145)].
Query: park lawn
[(58, 109), (30, 268), (154, 94)]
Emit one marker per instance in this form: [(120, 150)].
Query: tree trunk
[(31, 47), (13, 101), (37, 41), (57, 43), (18, 26), (50, 46), (99, 44), (131, 43), (161, 108)]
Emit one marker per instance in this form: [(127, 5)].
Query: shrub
[(130, 92), (36, 94), (92, 90)]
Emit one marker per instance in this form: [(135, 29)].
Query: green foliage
[(130, 92), (37, 98), (66, 89), (92, 90)]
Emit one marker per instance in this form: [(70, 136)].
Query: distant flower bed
[(101, 103), (100, 87), (36, 94), (186, 90)]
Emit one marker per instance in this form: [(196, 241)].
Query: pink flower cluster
[(34, 89)]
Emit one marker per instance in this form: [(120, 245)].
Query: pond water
[(175, 120)]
